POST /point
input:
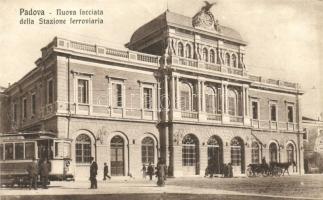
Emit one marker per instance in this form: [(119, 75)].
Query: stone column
[(178, 106), (246, 118), (225, 114), (173, 93), (166, 96)]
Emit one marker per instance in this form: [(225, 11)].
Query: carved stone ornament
[(204, 19)]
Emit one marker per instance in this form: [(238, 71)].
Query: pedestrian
[(32, 170), (106, 172), (230, 170), (161, 172), (225, 170), (93, 173), (44, 172), (144, 171), (150, 171)]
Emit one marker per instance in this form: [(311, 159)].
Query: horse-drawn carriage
[(271, 169)]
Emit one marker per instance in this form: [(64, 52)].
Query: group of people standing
[(35, 169), (161, 171), (226, 170)]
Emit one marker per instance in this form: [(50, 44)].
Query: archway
[(273, 152), (215, 154)]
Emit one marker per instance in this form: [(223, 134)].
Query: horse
[(279, 169), (285, 165)]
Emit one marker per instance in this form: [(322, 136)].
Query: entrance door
[(214, 152), (117, 156), (214, 158)]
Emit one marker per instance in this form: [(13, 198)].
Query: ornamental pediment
[(205, 20)]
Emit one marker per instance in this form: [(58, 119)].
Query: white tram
[(17, 151)]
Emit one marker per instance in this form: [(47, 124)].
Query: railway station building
[(180, 90)]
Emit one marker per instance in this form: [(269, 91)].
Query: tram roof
[(29, 135)]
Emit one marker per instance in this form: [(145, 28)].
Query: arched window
[(205, 55), (255, 153), (147, 150), (189, 150), (188, 51), (212, 56), (83, 149), (180, 49), (290, 153), (186, 97), (232, 102), (227, 59), (236, 151), (273, 152), (210, 100), (234, 60)]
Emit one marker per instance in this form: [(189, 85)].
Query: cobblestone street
[(289, 187)]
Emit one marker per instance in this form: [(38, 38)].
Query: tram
[(17, 151)]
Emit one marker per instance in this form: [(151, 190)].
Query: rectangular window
[(62, 150), (50, 91), (236, 156), (148, 98), (19, 151), (24, 108), (117, 94), (83, 91), (9, 151), (290, 114), (29, 150), (273, 112), (255, 155), (14, 112), (231, 106), (33, 104), (185, 100), (254, 110), (189, 155)]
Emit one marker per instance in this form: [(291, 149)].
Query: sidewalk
[(121, 186), (126, 186)]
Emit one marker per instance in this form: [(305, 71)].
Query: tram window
[(1, 151), (62, 150), (19, 151), (29, 150), (9, 151)]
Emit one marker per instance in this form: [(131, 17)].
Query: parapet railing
[(273, 82), (175, 60), (98, 50)]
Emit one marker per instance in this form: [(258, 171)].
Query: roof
[(170, 18)]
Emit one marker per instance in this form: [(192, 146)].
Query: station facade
[(180, 91)]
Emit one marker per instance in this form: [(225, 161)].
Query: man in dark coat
[(44, 172), (93, 173), (150, 171), (32, 170), (106, 172)]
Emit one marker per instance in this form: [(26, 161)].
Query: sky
[(283, 36)]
